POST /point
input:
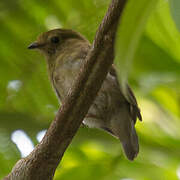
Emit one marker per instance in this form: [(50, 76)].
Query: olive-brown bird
[(65, 51)]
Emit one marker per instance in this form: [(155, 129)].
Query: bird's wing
[(134, 109)]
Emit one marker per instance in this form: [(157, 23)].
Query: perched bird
[(65, 51)]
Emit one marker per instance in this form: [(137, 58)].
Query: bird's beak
[(35, 45)]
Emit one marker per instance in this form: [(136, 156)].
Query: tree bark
[(44, 159)]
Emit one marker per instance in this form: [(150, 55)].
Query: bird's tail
[(123, 127), (131, 144)]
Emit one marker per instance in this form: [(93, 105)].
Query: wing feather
[(134, 109)]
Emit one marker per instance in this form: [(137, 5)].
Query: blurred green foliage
[(28, 103)]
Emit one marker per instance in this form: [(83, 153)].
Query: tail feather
[(126, 133), (129, 151), (131, 145), (128, 138)]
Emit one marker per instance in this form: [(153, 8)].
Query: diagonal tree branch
[(43, 161)]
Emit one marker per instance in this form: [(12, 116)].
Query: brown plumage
[(65, 51)]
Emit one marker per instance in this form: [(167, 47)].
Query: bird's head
[(52, 42)]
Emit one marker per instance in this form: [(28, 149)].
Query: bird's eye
[(55, 39)]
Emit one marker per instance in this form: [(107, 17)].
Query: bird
[(65, 51)]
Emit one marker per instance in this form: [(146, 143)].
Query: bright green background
[(154, 75)]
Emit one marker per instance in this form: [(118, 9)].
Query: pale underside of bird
[(65, 52)]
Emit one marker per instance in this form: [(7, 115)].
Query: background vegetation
[(28, 103)]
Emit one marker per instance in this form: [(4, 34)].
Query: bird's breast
[(64, 76)]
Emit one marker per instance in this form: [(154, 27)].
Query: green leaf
[(162, 30), (175, 11), (130, 30)]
